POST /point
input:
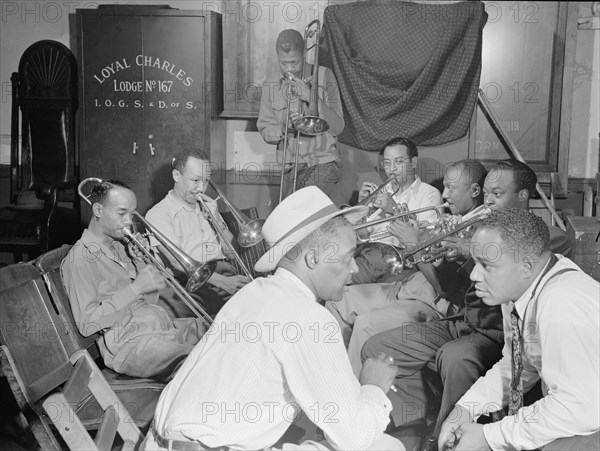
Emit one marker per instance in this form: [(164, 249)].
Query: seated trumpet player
[(115, 295), (404, 189), (181, 219), (465, 345), (368, 309), (510, 184)]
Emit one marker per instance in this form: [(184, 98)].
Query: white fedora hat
[(296, 217)]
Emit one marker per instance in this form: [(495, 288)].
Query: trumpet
[(197, 273), (368, 201), (397, 260), (404, 214)]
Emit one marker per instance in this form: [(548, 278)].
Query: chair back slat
[(49, 264), (30, 332)]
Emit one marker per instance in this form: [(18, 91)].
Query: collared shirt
[(271, 351), (418, 195), (561, 346), (98, 281), (313, 150), (187, 227)]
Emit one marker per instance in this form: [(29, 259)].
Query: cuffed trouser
[(413, 346)]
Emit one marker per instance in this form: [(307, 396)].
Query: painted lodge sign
[(141, 82)]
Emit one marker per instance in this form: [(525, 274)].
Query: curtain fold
[(404, 69)]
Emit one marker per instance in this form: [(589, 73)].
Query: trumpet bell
[(392, 258), (250, 233), (200, 275), (311, 125)]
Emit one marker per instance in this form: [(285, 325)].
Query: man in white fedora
[(274, 351)]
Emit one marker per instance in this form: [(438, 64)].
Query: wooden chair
[(55, 383), (140, 395), (51, 383), (248, 255)]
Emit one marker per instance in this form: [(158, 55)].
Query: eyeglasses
[(386, 164)]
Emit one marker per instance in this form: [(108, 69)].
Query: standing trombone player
[(288, 95), (182, 217), (118, 296)]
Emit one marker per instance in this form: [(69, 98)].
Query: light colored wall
[(585, 117)]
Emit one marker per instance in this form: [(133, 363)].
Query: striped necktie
[(515, 401)]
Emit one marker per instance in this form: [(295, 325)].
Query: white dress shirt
[(562, 346), (272, 350), (418, 195)]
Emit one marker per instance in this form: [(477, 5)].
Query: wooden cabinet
[(151, 82)]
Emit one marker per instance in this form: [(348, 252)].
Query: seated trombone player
[(405, 188), (180, 217), (115, 295)]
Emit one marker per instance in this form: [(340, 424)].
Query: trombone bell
[(311, 125), (200, 275), (250, 229)]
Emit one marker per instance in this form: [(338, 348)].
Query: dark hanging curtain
[(404, 69)]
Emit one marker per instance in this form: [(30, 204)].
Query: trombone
[(310, 124), (249, 233), (197, 273), (385, 234), (397, 260)]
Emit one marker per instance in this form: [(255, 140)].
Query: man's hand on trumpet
[(365, 190), (407, 234), (386, 203), (457, 248)]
